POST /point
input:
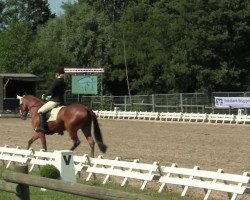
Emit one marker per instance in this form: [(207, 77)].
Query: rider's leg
[(43, 123), (42, 116)]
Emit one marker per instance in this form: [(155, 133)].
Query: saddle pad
[(54, 112)]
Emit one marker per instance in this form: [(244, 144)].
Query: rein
[(25, 112), (33, 106)]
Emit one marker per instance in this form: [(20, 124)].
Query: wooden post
[(73, 188), (22, 190)]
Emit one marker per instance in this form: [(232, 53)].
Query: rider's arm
[(52, 89)]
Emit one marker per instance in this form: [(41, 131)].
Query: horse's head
[(23, 107)]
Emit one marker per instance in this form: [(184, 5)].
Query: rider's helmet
[(59, 70)]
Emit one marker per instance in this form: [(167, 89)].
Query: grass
[(37, 193)]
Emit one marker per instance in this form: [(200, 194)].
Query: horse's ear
[(20, 98)]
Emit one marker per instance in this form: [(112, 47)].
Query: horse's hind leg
[(76, 143), (87, 133), (74, 138)]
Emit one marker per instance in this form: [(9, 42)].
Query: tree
[(48, 50), (112, 9), (203, 40), (14, 47), (1, 17), (144, 51), (32, 12), (85, 36)]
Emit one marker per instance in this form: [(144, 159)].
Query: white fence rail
[(128, 170), (232, 184), (220, 181), (14, 155), (179, 117)]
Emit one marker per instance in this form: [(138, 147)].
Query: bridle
[(24, 112)]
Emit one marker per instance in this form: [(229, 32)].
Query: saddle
[(52, 114), (46, 117)]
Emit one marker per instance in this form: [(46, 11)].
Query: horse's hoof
[(103, 148)]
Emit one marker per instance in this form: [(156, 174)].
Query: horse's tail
[(97, 132)]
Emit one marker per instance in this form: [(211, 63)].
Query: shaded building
[(12, 85)]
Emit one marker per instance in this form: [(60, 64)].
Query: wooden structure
[(19, 182), (15, 84)]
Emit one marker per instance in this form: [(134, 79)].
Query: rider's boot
[(43, 123)]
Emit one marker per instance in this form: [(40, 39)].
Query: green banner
[(84, 84)]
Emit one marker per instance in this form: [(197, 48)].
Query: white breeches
[(48, 106)]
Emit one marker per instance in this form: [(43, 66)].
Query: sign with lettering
[(234, 102), (67, 159)]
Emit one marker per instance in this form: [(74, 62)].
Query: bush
[(50, 171)]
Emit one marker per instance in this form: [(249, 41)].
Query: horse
[(70, 118)]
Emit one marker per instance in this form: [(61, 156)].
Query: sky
[(55, 5)]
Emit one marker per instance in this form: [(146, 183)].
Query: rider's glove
[(48, 98), (43, 96)]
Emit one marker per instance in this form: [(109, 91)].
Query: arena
[(210, 146)]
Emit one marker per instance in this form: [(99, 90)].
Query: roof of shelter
[(21, 77)]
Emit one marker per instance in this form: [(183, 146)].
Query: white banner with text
[(234, 102)]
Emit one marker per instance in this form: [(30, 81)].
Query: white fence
[(232, 184), (179, 117)]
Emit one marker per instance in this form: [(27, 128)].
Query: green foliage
[(48, 51), (32, 12), (14, 47), (85, 37), (168, 45), (50, 171)]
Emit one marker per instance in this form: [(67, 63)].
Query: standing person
[(56, 93)]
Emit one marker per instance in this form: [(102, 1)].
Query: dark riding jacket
[(57, 91)]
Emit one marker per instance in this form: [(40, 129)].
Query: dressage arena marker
[(169, 116), (172, 116), (62, 160), (232, 184), (65, 164)]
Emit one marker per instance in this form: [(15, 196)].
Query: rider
[(55, 95)]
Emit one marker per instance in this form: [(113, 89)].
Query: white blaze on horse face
[(20, 98)]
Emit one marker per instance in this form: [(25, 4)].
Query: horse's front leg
[(43, 140), (37, 136), (33, 139)]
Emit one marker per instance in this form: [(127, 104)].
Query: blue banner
[(234, 102)]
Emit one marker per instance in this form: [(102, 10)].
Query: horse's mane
[(33, 98)]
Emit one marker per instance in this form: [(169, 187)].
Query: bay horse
[(70, 118)]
